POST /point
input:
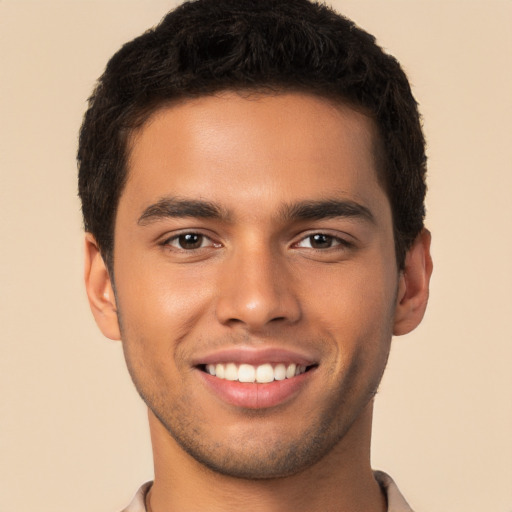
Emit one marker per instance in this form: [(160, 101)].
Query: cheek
[(156, 313), (157, 303), (353, 311), (357, 295)]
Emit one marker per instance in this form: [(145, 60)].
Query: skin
[(258, 278)]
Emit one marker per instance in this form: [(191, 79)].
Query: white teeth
[(280, 372), (263, 373), (246, 373), (290, 371), (219, 371), (231, 372)]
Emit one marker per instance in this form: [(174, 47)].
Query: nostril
[(235, 321)]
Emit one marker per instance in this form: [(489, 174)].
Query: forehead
[(241, 149)]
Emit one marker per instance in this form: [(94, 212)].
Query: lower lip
[(254, 395)]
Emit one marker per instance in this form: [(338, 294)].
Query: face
[(255, 276)]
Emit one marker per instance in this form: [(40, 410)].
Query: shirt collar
[(396, 502)]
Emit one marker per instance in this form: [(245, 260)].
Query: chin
[(257, 453)]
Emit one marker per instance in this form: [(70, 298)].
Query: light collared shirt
[(396, 502)]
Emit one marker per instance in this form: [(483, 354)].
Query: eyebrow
[(303, 210), (326, 209), (176, 207)]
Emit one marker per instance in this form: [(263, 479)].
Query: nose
[(256, 290)]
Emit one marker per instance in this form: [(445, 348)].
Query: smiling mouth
[(261, 374)]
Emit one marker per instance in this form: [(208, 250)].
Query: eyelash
[(339, 243), (176, 238)]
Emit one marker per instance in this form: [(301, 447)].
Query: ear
[(100, 290), (413, 285)]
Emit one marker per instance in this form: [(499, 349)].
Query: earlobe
[(413, 286), (100, 290)]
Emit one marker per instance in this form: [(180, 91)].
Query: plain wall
[(74, 433)]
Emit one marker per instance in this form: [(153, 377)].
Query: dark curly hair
[(206, 46)]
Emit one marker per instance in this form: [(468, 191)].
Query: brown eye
[(190, 241), (321, 241)]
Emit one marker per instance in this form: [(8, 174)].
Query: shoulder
[(396, 501), (138, 504)]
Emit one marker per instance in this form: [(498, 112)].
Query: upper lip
[(256, 356)]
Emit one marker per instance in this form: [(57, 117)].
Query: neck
[(341, 481)]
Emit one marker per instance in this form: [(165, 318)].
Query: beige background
[(73, 431)]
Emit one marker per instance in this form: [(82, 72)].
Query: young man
[(252, 181)]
